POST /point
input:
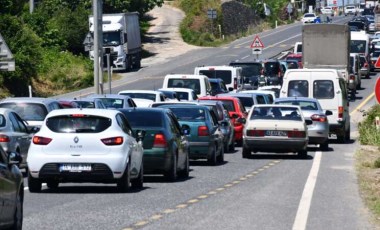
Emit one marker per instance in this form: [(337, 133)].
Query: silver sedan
[(14, 135), (318, 131)]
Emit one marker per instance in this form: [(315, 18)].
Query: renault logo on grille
[(76, 139)]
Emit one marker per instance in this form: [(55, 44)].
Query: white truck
[(327, 46), (121, 35)]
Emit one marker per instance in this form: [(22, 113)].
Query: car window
[(225, 75), (2, 121), (229, 105), (189, 114), (21, 125), (323, 89), (183, 96), (298, 88), (15, 124), (276, 113), (176, 128), (112, 102), (305, 105), (247, 101), (123, 123), (342, 85), (193, 84), (148, 118), (27, 111), (260, 99), (148, 96), (78, 123), (213, 118)]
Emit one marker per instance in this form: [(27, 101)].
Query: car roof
[(114, 96), (148, 109), (224, 98), (215, 80), (296, 99), (237, 94), (41, 100), (97, 112), (140, 91), (186, 90)]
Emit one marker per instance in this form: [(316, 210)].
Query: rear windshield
[(246, 101), (112, 102), (183, 96), (144, 118), (225, 75), (229, 105), (189, 114), (358, 46), (84, 104), (272, 68), (148, 96), (305, 105), (27, 111), (298, 88), (193, 84), (78, 124), (276, 113), (249, 70), (323, 89)]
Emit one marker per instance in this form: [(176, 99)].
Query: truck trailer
[(121, 37)]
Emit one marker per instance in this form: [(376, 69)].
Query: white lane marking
[(27, 188), (307, 194), (245, 57)]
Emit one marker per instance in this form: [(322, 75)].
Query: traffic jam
[(275, 106)]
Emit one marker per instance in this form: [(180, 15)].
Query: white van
[(329, 87), (231, 75), (359, 43), (199, 83), (297, 48)]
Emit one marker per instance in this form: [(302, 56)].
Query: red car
[(297, 57), (236, 111)]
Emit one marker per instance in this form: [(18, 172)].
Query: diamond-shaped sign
[(257, 43)]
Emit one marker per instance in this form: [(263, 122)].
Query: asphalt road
[(263, 192)]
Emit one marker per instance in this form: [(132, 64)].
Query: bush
[(369, 135)]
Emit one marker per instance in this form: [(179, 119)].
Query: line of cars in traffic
[(118, 138)]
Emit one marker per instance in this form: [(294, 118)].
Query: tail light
[(203, 131), (340, 111), (279, 73), (41, 140), (366, 64), (296, 134), (255, 133), (235, 83), (159, 141), (320, 118), (113, 141), (352, 77), (236, 122), (4, 138)]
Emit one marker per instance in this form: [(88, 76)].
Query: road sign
[(377, 90), (289, 8), (257, 43), (257, 51), (211, 13)]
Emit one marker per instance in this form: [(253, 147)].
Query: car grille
[(99, 172)]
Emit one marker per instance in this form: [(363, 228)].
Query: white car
[(327, 10), (350, 10), (308, 18), (85, 145), (275, 128)]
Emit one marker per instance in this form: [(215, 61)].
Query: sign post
[(257, 46)]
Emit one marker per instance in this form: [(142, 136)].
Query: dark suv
[(273, 72), (11, 191), (250, 72)]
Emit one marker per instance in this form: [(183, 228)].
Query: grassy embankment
[(368, 162)]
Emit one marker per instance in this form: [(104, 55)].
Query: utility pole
[(98, 41), (31, 6)]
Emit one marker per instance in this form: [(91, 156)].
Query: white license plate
[(276, 133), (75, 167)]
